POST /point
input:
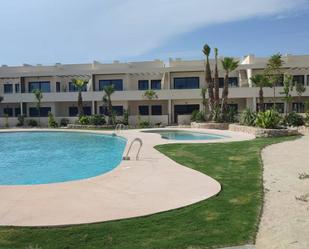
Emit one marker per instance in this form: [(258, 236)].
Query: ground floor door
[(184, 110)]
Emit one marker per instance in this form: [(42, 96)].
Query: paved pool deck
[(152, 184)]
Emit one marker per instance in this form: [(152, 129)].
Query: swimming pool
[(48, 157), (185, 135)]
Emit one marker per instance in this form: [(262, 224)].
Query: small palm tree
[(229, 64), (273, 72), (260, 81), (288, 86), (108, 91), (150, 95), (80, 84), (300, 89), (38, 96), (208, 79), (216, 80)]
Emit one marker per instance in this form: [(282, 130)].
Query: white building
[(177, 84)]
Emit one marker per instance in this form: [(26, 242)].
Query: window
[(118, 110), (33, 111), (156, 84), (233, 107), (73, 88), (17, 88), (279, 106), (118, 84), (187, 83), (44, 86), (143, 85), (8, 111), (8, 88), (156, 110), (17, 111), (299, 79), (233, 82), (143, 110), (58, 87), (298, 107), (73, 111), (308, 80)]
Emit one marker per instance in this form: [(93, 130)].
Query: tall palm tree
[(108, 91), (216, 80), (80, 84), (208, 79), (260, 81), (273, 72), (229, 64), (38, 96)]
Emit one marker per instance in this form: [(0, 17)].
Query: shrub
[(125, 117), (269, 119), (84, 120), (6, 121), (197, 116), (64, 122), (294, 119), (97, 120), (216, 115), (247, 117), (51, 121), (21, 120), (144, 124), (32, 123), (231, 116)]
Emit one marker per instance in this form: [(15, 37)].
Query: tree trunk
[(209, 84), (216, 86), (225, 94), (110, 110), (261, 100), (80, 104)]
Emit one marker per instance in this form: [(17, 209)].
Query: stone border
[(303, 130), (216, 126), (260, 132)]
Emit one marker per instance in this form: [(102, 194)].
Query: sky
[(80, 31)]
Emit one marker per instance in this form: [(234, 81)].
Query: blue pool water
[(185, 135), (47, 157)]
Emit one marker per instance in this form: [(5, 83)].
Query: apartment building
[(177, 83)]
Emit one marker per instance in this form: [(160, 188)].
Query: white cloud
[(78, 30)]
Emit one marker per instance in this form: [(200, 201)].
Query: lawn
[(231, 218)]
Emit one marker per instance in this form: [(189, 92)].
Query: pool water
[(185, 135), (48, 157)]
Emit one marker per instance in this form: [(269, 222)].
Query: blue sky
[(79, 31)]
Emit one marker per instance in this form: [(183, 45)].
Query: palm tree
[(300, 89), (80, 84), (216, 80), (150, 95), (272, 71), (108, 91), (229, 64), (288, 86), (204, 101), (208, 79), (38, 96), (1, 99), (260, 81)]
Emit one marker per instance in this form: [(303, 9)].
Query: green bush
[(294, 119), (84, 120), (144, 124), (269, 119), (97, 120), (231, 116), (197, 116), (32, 123), (51, 121), (216, 115), (247, 117), (21, 120), (64, 122)]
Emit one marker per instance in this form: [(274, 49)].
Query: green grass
[(231, 218)]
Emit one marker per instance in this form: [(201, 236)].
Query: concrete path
[(153, 184), (285, 220)]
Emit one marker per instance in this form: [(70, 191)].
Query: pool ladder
[(127, 157), (119, 127)]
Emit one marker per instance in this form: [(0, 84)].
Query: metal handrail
[(119, 127), (127, 157)]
